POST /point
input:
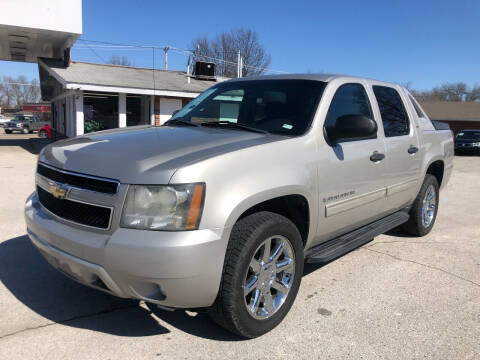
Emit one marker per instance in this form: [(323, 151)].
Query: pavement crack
[(405, 242), (424, 265), (66, 321)]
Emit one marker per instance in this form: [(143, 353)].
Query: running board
[(341, 245)]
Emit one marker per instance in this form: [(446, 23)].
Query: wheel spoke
[(430, 195), (284, 265), (268, 302), (255, 301), (280, 287), (266, 250), (255, 266), (251, 285), (278, 251)]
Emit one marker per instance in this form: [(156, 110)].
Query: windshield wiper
[(233, 125), (180, 122)]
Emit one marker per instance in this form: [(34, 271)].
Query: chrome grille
[(78, 180), (85, 214), (83, 199)]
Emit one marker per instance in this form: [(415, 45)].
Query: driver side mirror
[(351, 127)]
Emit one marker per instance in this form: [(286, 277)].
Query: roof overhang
[(38, 28), (128, 90)]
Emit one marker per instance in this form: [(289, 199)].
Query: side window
[(416, 107), (394, 116), (350, 99)]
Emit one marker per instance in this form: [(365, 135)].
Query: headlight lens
[(162, 207)]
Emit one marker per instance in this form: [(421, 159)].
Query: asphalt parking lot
[(395, 298)]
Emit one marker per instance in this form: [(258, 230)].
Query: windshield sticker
[(287, 126)]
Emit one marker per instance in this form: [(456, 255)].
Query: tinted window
[(469, 135), (394, 116), (278, 106), (350, 99)]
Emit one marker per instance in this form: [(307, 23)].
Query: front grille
[(80, 213), (80, 181)]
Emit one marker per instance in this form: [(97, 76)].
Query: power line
[(96, 53), (110, 45)]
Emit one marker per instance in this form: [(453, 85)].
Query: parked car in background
[(45, 132), (467, 142), (220, 207), (25, 124), (3, 120)]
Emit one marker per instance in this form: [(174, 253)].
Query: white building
[(39, 28), (86, 97), (89, 97)]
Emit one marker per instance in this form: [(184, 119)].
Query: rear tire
[(235, 307), (25, 130), (423, 212), (8, 131)]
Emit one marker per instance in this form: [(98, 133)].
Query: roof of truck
[(318, 77)]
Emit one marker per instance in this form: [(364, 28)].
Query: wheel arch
[(437, 169), (294, 205)]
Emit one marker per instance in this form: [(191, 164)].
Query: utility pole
[(239, 64), (165, 49)]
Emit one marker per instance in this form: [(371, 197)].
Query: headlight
[(163, 207), (476, 144)]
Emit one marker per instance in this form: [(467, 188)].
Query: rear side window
[(394, 116), (350, 99), (416, 107)]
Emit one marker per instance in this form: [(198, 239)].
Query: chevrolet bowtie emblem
[(58, 191)]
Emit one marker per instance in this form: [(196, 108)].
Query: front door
[(403, 149), (351, 185)]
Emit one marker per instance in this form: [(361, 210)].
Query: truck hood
[(146, 154)]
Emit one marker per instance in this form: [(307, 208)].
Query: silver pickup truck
[(220, 207)]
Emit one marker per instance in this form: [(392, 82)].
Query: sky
[(423, 42)]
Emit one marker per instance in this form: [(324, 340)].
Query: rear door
[(351, 185), (403, 152)]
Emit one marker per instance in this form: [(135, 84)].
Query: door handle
[(412, 149), (376, 156)]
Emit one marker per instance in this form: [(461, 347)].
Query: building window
[(100, 111), (138, 110)]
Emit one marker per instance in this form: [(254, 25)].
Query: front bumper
[(177, 269)]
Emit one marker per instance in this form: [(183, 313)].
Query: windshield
[(469, 135), (21, 118), (277, 106)]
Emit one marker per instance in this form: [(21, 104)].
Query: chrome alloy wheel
[(269, 277), (429, 206)]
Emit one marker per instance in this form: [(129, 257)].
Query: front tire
[(261, 275), (8, 131), (424, 209), (43, 134)]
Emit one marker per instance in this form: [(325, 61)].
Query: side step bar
[(331, 249)]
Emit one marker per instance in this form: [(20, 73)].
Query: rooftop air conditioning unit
[(204, 70)]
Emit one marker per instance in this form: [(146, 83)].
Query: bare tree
[(473, 94), (117, 60), (223, 51), (18, 91), (457, 91)]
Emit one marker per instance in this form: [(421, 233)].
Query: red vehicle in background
[(45, 132)]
